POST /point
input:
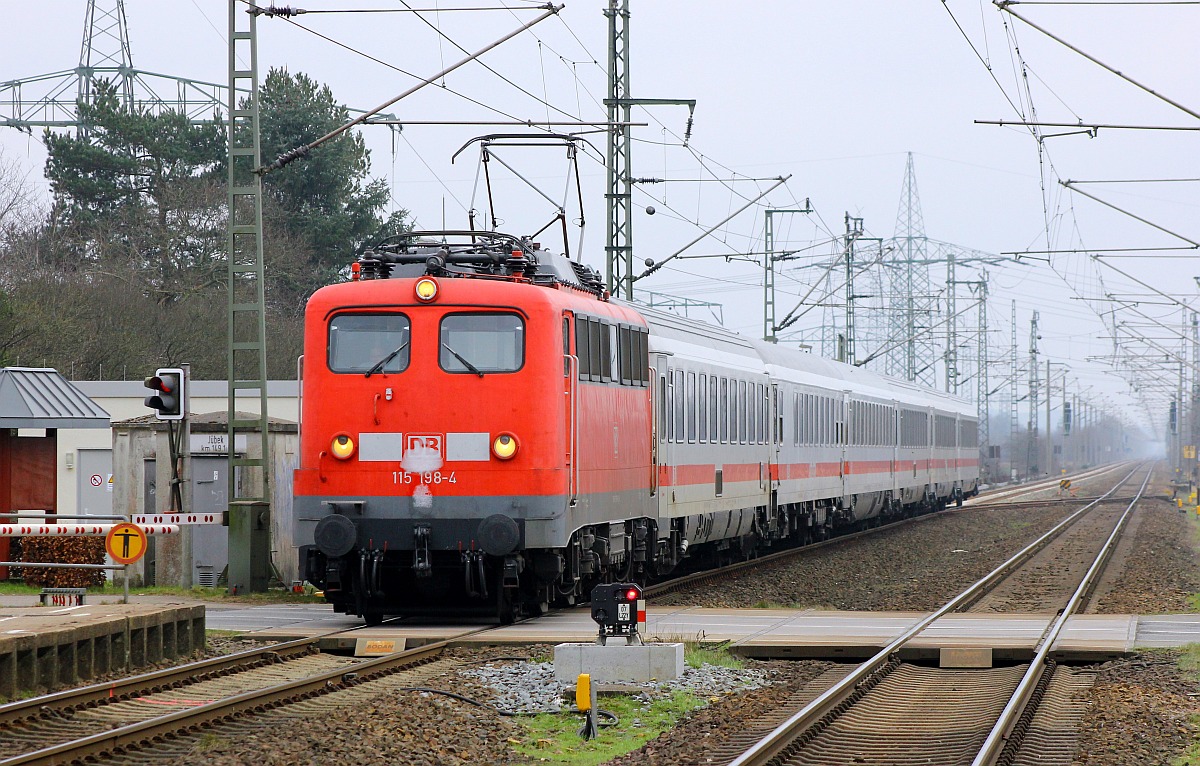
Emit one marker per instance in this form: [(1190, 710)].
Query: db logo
[(423, 442)]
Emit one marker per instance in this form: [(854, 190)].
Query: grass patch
[(212, 594), (765, 604), (209, 741), (696, 655), (208, 633), (1189, 662), (197, 592), (17, 589), (554, 738)]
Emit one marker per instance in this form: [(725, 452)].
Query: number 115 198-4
[(429, 477)]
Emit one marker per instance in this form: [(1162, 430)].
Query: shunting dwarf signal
[(619, 609)]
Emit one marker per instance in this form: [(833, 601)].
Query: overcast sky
[(834, 94)]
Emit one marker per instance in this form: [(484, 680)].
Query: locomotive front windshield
[(479, 343), (369, 343)]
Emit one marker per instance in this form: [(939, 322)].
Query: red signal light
[(633, 594)]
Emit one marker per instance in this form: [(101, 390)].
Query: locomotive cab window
[(481, 343), (362, 343)]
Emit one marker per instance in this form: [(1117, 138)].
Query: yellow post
[(583, 692)]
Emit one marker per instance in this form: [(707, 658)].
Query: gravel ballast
[(1140, 710)]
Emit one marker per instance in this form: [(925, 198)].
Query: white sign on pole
[(215, 444)]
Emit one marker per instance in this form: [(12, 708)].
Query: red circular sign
[(96, 480)]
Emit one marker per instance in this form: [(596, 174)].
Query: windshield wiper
[(462, 359), (378, 366)]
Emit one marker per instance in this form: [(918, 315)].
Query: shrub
[(63, 550)]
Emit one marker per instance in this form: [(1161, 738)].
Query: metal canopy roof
[(43, 398)]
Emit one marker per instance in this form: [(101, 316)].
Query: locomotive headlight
[(342, 447), (504, 446), (426, 289)]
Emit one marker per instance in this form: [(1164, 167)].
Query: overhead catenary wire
[(304, 149), (1006, 6)]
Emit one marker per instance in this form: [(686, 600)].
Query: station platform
[(779, 633), (43, 647)]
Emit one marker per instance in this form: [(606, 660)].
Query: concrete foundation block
[(618, 663)]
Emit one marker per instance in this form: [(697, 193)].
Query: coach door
[(661, 412), (842, 430)]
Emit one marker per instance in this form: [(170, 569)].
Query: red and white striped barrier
[(78, 530), (177, 518)]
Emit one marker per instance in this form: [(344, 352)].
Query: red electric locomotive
[(483, 430), (448, 448)]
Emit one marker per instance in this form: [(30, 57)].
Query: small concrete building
[(142, 478), (85, 475)]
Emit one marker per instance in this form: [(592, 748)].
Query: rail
[(999, 737), (827, 704), (135, 735)]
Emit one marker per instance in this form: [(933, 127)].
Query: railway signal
[(169, 383), (619, 609)]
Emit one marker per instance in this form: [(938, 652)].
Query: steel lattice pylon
[(50, 100), (913, 305)]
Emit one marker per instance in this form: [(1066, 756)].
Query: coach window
[(691, 407), (712, 410), (479, 343), (795, 418), (702, 401), (723, 418), (365, 343), (680, 408), (751, 420), (764, 415), (742, 412)]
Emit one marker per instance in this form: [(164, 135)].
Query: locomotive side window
[(566, 346), (581, 348), (363, 342), (644, 354), (606, 352), (479, 343), (624, 341), (598, 352)]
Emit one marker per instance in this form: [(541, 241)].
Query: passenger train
[(484, 430)]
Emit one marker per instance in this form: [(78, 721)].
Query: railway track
[(987, 501), (169, 706), (885, 711)]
